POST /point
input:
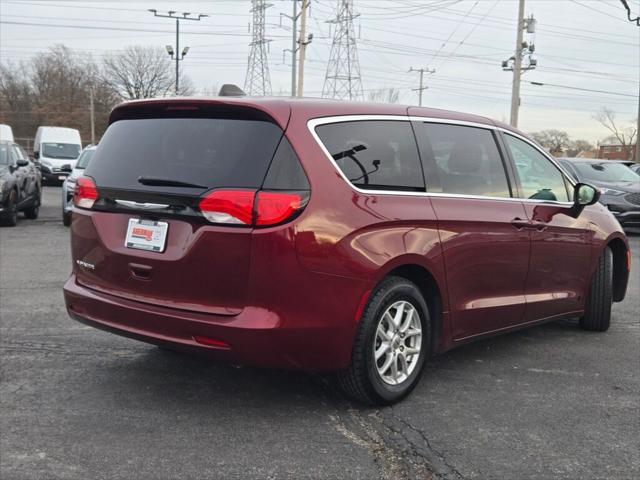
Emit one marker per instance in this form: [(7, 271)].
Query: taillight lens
[(228, 206), (85, 193), (276, 207), (237, 206)]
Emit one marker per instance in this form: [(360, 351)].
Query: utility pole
[(178, 56), (638, 130), (303, 42), (93, 123), (515, 64), (342, 79), (294, 41), (258, 81), (422, 87), (517, 72)]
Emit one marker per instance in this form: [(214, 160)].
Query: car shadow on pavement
[(158, 376)]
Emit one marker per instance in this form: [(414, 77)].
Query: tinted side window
[(462, 160), (539, 177), (375, 154), (285, 172)]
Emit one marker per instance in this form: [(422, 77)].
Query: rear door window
[(375, 154), (462, 160), (212, 152)]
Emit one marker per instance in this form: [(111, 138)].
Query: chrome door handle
[(519, 223)]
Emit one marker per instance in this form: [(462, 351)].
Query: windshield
[(605, 172), (83, 159), (67, 151)]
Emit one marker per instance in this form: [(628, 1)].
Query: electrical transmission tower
[(343, 80), (258, 81)]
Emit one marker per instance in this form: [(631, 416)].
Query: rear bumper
[(48, 176), (255, 337)]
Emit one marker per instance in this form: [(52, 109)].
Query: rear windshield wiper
[(167, 182)]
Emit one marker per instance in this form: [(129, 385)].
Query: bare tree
[(626, 135), (555, 140), (54, 89), (142, 72), (384, 95), (577, 146), (16, 98)]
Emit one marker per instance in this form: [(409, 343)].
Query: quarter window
[(462, 160), (375, 154), (540, 179)]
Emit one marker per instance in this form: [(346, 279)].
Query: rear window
[(375, 154), (214, 152)]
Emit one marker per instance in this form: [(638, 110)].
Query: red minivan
[(332, 236)]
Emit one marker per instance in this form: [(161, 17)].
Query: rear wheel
[(597, 314), (66, 218), (391, 345), (10, 216)]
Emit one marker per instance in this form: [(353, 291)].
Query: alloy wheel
[(398, 342)]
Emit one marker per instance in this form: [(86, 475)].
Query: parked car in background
[(332, 236), (20, 184), (6, 133), (68, 186), (619, 186), (57, 150)]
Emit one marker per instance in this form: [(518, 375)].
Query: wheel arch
[(430, 289), (621, 261)]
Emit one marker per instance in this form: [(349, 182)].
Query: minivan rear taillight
[(228, 206), (85, 193), (246, 207)]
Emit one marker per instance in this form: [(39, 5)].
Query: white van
[(6, 133), (57, 149)]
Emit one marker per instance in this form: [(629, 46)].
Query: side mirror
[(36, 155), (583, 195), (22, 162)]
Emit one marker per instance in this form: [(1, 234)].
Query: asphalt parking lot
[(77, 403)]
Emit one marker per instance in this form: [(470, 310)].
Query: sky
[(579, 44)]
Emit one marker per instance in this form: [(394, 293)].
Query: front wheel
[(391, 345), (597, 313), (10, 217)]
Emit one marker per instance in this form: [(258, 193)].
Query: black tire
[(597, 313), (33, 211), (361, 380), (66, 218), (10, 216)]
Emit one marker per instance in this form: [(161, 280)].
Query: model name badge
[(88, 265)]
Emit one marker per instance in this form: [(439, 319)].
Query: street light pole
[(179, 56)]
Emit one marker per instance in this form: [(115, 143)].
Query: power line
[(636, 20), (582, 89)]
